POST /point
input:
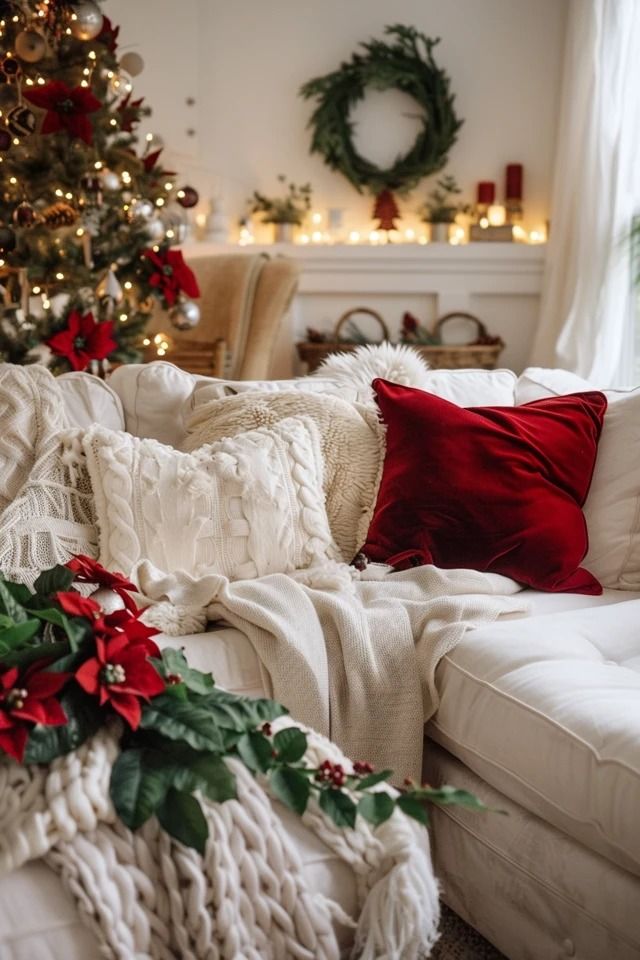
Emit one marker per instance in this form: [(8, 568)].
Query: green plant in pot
[(284, 212), (440, 209)]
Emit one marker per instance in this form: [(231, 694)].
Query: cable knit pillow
[(350, 437), (243, 507)]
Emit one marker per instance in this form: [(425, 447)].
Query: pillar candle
[(514, 181), (486, 192)]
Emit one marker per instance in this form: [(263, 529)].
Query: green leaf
[(209, 774), (413, 807), (181, 816), (448, 796), (11, 606), (174, 662), (290, 744), (241, 713), (12, 638), (56, 579), (291, 788), (255, 751), (41, 651), (83, 720), (339, 806), (182, 720), (371, 779), (376, 807), (77, 629), (137, 787), (20, 593)]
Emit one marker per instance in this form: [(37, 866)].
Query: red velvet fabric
[(497, 489)]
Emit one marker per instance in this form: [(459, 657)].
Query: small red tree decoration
[(385, 210)]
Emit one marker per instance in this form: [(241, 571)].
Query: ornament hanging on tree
[(110, 180), (187, 197), (59, 214), (86, 20), (21, 122), (30, 46), (11, 67), (143, 209), (24, 215), (155, 229), (132, 63), (385, 211), (7, 239), (109, 287), (185, 314)]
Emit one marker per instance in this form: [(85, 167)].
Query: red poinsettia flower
[(78, 606), (109, 35), (26, 700), (171, 276), (87, 570), (67, 108), (83, 340), (120, 674), (124, 621), (129, 111)]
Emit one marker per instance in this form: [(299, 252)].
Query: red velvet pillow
[(487, 488)]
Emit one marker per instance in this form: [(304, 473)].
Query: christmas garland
[(68, 668), (405, 64)]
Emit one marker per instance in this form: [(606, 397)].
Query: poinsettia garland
[(68, 668)]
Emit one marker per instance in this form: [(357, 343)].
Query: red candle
[(486, 192), (514, 181)]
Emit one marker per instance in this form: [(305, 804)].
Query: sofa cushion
[(547, 710), (152, 396), (536, 383), (491, 488), (243, 507), (89, 400)]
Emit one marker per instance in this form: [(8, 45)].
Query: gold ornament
[(30, 46), (86, 20)]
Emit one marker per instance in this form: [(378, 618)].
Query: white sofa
[(539, 715)]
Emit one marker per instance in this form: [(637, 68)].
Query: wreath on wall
[(405, 63)]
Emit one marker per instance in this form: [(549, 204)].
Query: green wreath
[(405, 64)]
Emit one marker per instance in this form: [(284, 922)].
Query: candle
[(486, 192), (514, 181), (496, 215)]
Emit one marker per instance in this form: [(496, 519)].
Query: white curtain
[(586, 322)]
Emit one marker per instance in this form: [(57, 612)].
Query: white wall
[(244, 61)]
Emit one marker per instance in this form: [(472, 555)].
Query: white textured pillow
[(243, 507), (351, 439), (612, 509)]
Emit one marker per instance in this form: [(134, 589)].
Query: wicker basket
[(313, 353), (449, 356)]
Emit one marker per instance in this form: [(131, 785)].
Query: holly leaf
[(376, 807), (56, 579), (291, 788), (41, 651), (174, 662), (209, 774), (448, 796), (138, 786), (371, 779), (83, 720), (255, 751), (183, 720), (339, 806), (241, 713), (12, 638), (413, 807), (290, 744), (181, 816), (12, 607)]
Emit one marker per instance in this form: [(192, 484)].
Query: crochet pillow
[(243, 507), (350, 438), (495, 489)]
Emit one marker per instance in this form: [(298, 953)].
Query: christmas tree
[(87, 214)]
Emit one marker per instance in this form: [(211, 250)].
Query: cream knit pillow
[(243, 507), (350, 437)]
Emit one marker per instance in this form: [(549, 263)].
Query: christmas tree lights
[(87, 213)]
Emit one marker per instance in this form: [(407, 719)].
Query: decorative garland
[(68, 668), (405, 64)]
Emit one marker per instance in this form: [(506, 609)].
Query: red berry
[(266, 729)]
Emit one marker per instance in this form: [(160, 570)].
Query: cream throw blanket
[(353, 656)]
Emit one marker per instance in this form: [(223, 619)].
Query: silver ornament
[(110, 180), (155, 229), (143, 209), (30, 46), (110, 287), (86, 20), (132, 63), (185, 314)]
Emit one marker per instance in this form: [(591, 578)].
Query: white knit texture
[(351, 439), (243, 507)]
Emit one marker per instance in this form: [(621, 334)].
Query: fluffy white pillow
[(612, 509), (351, 439), (243, 507)]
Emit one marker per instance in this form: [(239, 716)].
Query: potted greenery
[(283, 212), (440, 209)]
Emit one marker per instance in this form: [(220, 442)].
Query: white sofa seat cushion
[(89, 400), (547, 710)]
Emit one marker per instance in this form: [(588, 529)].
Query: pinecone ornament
[(59, 214)]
